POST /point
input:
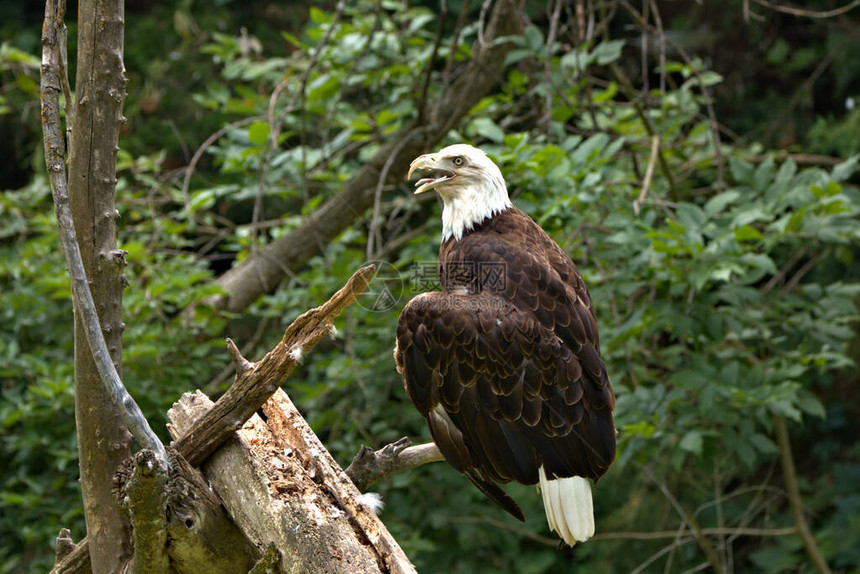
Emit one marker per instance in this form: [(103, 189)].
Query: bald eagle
[(504, 362)]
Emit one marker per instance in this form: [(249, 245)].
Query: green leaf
[(745, 452), (487, 128), (258, 132), (810, 404), (203, 199), (691, 216), (763, 444), (534, 38), (418, 21), (719, 202), (759, 260), (692, 442), (319, 16), (589, 148), (603, 96), (747, 233), (606, 52), (742, 171), (846, 169), (710, 78)]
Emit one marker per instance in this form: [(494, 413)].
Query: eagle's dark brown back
[(505, 362)]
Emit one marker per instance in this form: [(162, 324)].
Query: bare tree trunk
[(103, 441)]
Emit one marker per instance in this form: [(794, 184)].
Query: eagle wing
[(505, 364)]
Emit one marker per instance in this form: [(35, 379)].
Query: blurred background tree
[(697, 160)]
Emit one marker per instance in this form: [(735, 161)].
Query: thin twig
[(670, 548), (808, 13), (703, 541), (807, 267), (214, 385), (186, 181), (718, 505), (780, 276), (658, 21), (798, 158), (649, 173), (422, 99), (547, 71), (401, 240), (804, 88), (624, 81), (709, 105), (485, 6), (790, 476), (509, 526), (725, 531), (302, 94), (377, 194)]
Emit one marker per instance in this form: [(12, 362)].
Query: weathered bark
[(65, 545), (262, 270), (292, 432), (75, 562), (143, 497), (177, 516), (255, 382), (202, 536), (53, 81), (103, 441), (282, 488), (370, 466)]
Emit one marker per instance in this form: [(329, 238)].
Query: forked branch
[(53, 41)]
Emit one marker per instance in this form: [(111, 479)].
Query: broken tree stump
[(282, 487)]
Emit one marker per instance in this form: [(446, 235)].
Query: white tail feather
[(569, 511)]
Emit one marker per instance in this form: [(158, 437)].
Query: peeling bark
[(282, 488)]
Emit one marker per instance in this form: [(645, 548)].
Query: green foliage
[(21, 66), (164, 352), (726, 293)]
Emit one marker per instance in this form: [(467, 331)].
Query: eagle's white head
[(470, 184)]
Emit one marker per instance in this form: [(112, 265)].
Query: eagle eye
[(458, 161)]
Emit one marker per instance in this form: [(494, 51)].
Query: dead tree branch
[(65, 545), (255, 382), (86, 214), (370, 466), (292, 431)]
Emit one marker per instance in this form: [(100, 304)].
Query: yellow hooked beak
[(430, 163)]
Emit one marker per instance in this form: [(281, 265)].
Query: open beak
[(434, 174)]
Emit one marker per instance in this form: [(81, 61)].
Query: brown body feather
[(505, 362)]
